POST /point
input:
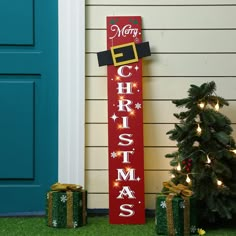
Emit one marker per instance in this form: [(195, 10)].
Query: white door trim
[(71, 123)]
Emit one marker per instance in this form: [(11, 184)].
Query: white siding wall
[(192, 42)]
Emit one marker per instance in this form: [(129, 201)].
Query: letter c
[(121, 72)]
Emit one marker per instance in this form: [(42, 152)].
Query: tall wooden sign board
[(125, 118), (125, 127)]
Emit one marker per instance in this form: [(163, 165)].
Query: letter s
[(125, 208)]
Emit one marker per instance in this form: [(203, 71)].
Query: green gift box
[(66, 209), (183, 213)]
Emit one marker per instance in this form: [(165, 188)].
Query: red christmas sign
[(125, 118)]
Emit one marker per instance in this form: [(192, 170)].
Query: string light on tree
[(178, 167), (219, 183), (201, 105), (217, 107), (188, 180), (208, 160), (234, 151), (172, 176), (199, 130)]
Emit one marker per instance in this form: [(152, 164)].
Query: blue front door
[(28, 104)]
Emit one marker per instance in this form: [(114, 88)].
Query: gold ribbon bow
[(66, 187), (178, 189)]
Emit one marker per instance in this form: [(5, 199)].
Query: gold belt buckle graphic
[(120, 54)]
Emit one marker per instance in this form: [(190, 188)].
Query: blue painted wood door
[(28, 104)]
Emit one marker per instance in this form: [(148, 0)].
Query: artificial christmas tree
[(205, 158)]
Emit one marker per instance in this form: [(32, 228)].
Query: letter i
[(125, 122)]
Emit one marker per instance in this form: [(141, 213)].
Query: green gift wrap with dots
[(66, 209), (179, 217)]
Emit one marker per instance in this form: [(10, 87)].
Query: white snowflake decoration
[(54, 223), (181, 205), (75, 224), (138, 106), (193, 228), (163, 204), (113, 155), (63, 198)]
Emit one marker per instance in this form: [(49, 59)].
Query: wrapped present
[(66, 206), (176, 214)]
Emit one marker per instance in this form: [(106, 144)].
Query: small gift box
[(66, 206), (176, 214)]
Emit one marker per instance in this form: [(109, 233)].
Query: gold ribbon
[(179, 189), (69, 209), (185, 193), (169, 213), (66, 187)]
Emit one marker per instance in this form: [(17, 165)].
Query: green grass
[(97, 226)]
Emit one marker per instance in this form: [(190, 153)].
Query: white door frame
[(71, 125)]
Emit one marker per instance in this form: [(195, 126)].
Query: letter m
[(123, 175)]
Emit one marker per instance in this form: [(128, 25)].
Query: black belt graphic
[(124, 54)]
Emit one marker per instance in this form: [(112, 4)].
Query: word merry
[(124, 31)]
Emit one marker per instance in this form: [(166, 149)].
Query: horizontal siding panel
[(154, 158), (96, 135), (176, 65), (153, 111), (96, 88), (160, 2), (101, 201), (154, 180), (174, 41), (163, 111), (182, 17), (96, 111), (177, 87), (98, 201), (96, 158), (154, 135), (159, 87), (97, 181)]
